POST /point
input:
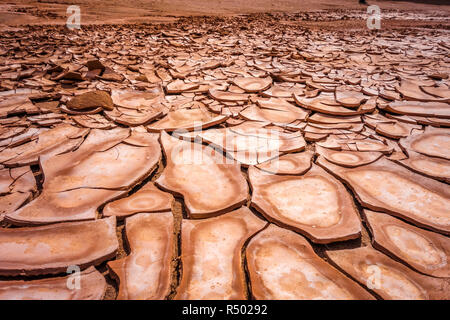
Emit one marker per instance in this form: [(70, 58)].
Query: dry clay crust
[(211, 255), (145, 273), (77, 183), (388, 278), (147, 199), (209, 185), (389, 187), (92, 287), (425, 251), (283, 265), (53, 248), (314, 204)]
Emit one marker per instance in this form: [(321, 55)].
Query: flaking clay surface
[(388, 278), (424, 251), (211, 255), (283, 265), (195, 132)]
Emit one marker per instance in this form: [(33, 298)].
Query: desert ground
[(224, 150)]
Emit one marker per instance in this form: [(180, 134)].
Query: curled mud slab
[(91, 100), (83, 116), (186, 119), (434, 142), (133, 117), (54, 248), (147, 199), (211, 255), (387, 278), (145, 273), (274, 110), (350, 159), (60, 139), (50, 207), (331, 107), (350, 99), (425, 251), (432, 167), (100, 170), (424, 109), (289, 164), (251, 84), (314, 204), (19, 179), (92, 287), (386, 186), (225, 96), (330, 119), (412, 91), (94, 121), (283, 265), (251, 143), (208, 182), (11, 202)]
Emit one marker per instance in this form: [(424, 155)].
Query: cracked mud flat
[(324, 156)]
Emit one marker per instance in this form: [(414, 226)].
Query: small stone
[(90, 100)]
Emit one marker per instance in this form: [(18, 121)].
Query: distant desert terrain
[(156, 11)]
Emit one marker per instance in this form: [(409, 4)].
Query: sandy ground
[(22, 12)]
